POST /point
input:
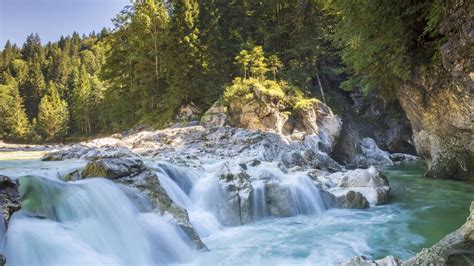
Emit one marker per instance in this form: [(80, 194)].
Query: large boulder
[(370, 183), (113, 168)]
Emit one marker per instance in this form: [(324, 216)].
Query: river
[(97, 223)]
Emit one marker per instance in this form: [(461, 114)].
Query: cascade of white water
[(88, 222), (258, 205)]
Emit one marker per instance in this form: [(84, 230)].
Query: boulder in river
[(369, 182), (113, 168)]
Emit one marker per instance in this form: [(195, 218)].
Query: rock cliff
[(438, 99)]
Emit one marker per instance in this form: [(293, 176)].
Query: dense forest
[(162, 55)]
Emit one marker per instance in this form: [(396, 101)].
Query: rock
[(370, 183), (113, 168), (457, 248), (238, 190), (438, 100), (3, 260), (215, 116), (10, 197), (403, 157), (363, 261), (187, 112), (92, 151), (373, 154), (352, 200), (148, 183), (277, 198), (370, 116)]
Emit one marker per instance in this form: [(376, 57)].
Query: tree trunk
[(321, 87)]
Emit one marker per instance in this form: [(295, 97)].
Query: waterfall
[(88, 222), (258, 205)]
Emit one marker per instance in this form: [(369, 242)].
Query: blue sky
[(53, 18)]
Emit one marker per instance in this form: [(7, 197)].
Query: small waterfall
[(305, 197), (88, 222), (258, 203)]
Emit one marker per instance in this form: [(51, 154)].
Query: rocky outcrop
[(457, 248), (370, 117), (270, 110), (438, 99)]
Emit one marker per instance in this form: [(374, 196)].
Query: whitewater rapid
[(96, 221)]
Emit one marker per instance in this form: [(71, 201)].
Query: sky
[(53, 18)]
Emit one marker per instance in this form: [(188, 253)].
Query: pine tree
[(53, 115), (14, 124), (187, 54)]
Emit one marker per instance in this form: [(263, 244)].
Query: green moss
[(305, 103)]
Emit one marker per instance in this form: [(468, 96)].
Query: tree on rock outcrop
[(53, 115)]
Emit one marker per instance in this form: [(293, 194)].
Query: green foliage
[(381, 41), (14, 124), (53, 115)]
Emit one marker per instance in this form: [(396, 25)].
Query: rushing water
[(95, 221)]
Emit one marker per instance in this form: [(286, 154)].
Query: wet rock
[(94, 150), (351, 200), (237, 189), (372, 154), (277, 198), (112, 168), (363, 261), (403, 157), (10, 198), (148, 183), (369, 182)]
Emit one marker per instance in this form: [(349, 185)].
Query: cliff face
[(438, 100)]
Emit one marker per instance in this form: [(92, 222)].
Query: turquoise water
[(420, 213)]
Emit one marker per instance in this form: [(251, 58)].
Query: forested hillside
[(162, 55)]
